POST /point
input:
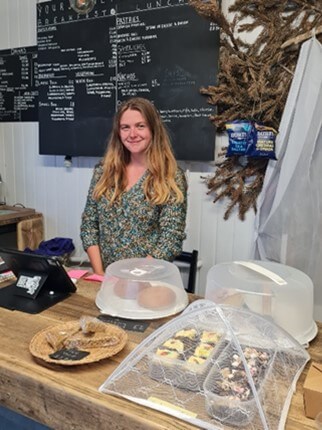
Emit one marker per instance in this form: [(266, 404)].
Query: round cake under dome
[(142, 288)]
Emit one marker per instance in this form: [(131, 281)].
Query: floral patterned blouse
[(134, 227)]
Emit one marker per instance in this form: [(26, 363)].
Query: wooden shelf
[(14, 214)]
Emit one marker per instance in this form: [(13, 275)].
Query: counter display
[(55, 394)]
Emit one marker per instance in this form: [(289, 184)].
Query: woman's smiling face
[(135, 133)]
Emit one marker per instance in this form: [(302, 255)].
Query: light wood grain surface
[(68, 397)]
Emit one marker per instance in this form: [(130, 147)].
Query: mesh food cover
[(216, 367)]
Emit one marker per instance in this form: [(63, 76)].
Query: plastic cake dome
[(277, 291), (142, 288)]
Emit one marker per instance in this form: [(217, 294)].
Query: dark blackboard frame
[(160, 50)]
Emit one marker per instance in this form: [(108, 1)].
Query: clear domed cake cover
[(280, 292), (142, 288), (217, 367)]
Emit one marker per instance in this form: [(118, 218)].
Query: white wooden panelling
[(4, 24), (42, 182), (216, 240)]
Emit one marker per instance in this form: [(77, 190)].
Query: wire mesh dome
[(216, 367)]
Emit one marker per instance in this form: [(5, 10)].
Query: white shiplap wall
[(43, 183)]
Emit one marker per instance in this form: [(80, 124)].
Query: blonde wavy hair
[(159, 186)]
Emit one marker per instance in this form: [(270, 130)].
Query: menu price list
[(161, 50), (18, 84)]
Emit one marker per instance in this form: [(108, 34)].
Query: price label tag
[(125, 324), (69, 354)]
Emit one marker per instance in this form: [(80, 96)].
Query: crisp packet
[(264, 142), (241, 137)]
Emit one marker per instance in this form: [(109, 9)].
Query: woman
[(137, 200)]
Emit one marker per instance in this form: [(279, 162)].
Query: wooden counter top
[(68, 397)]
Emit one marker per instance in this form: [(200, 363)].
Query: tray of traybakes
[(184, 359), (228, 392)]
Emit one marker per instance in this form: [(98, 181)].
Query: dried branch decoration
[(241, 183), (254, 78)]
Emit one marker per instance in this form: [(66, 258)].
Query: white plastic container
[(272, 289), (229, 397), (142, 288), (186, 369)]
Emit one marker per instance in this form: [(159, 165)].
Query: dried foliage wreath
[(254, 79)]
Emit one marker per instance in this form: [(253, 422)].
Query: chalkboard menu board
[(87, 64), (18, 91)]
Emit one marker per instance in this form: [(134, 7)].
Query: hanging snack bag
[(264, 142), (241, 137)]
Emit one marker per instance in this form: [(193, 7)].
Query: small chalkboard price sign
[(69, 354), (125, 324), (90, 62)]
